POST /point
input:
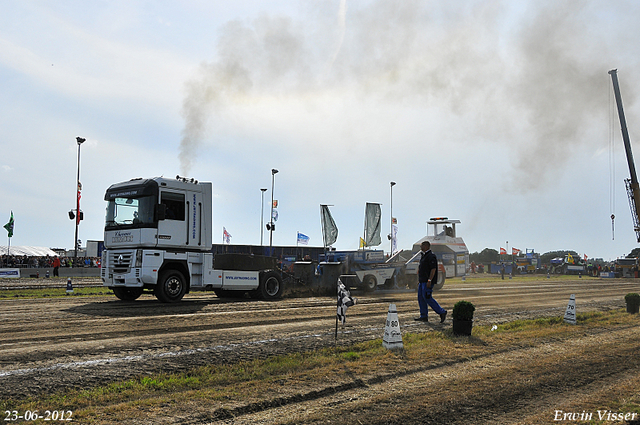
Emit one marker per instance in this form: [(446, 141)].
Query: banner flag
[(9, 225), (362, 244), (329, 228), (78, 208), (372, 224), (394, 239), (503, 251), (303, 239), (515, 251), (226, 236)]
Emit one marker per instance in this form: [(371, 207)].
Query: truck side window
[(175, 205)]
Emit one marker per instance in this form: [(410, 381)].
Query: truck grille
[(120, 262)]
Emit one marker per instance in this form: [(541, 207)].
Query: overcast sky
[(496, 113)]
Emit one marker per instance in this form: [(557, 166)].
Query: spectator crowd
[(26, 261)]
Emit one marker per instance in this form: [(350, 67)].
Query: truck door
[(172, 231), (195, 237)]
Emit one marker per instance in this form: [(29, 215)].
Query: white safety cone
[(392, 336), (570, 313)]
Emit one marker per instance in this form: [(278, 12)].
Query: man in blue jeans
[(428, 276)]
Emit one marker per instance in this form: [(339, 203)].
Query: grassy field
[(54, 292), (247, 383)]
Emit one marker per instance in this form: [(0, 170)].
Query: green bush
[(632, 298), (463, 310)]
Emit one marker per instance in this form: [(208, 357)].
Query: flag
[(585, 257), (303, 239), (9, 225), (372, 224), (275, 203), (515, 251), (394, 239), (344, 300), (569, 259), (226, 236), (78, 209), (503, 251), (362, 244), (329, 228)]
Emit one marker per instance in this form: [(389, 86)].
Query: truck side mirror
[(161, 211)]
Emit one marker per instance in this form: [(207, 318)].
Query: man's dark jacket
[(427, 263)]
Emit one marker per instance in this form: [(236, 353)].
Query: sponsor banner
[(13, 273)]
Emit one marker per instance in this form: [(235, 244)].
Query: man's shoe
[(422, 319), (443, 316)]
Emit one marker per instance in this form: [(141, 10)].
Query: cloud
[(94, 67)]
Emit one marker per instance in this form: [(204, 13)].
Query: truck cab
[(157, 234), (159, 212)]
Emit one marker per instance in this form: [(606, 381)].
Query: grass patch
[(215, 386), (54, 292)]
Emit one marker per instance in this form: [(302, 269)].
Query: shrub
[(463, 310), (632, 298)]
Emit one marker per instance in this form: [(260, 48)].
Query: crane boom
[(633, 189)]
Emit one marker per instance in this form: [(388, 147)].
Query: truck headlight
[(138, 258)]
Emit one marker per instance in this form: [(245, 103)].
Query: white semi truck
[(157, 238)]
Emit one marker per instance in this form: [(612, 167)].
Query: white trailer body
[(158, 237)]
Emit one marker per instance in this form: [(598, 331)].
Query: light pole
[(262, 216), (391, 184), (80, 141), (272, 226)]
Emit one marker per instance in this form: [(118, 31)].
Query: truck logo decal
[(122, 237), (193, 231)]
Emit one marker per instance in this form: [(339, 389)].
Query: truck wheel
[(127, 294), (441, 278), (369, 282), (171, 287), (270, 285)]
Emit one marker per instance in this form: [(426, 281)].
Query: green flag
[(329, 228), (9, 225), (372, 225)]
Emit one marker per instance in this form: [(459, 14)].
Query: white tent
[(31, 251)]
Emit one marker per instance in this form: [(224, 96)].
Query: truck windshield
[(130, 212)]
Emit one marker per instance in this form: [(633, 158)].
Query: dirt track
[(50, 344)]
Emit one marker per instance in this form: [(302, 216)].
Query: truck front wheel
[(271, 285), (127, 294), (171, 287)]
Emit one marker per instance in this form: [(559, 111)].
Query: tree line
[(489, 255)]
